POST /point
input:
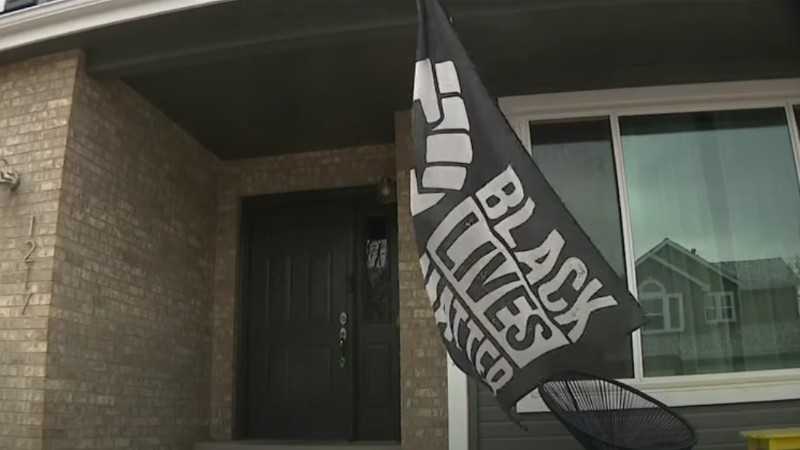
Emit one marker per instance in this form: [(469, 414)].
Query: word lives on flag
[(518, 290)]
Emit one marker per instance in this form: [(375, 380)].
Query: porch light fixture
[(386, 190), (8, 177)]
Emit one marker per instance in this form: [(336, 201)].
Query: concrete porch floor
[(267, 445)]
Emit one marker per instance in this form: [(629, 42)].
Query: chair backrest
[(606, 414)]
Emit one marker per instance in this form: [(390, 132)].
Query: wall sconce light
[(386, 191), (8, 177)]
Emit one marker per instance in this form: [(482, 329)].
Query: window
[(377, 297), (719, 307), (576, 157), (663, 310), (715, 206), (695, 201)]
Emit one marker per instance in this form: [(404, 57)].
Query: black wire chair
[(605, 414)]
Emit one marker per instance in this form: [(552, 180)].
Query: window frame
[(681, 390), (717, 298), (664, 297)]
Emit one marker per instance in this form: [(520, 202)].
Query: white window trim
[(717, 299), (457, 407), (687, 390), (698, 390)]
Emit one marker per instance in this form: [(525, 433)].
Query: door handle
[(342, 346)]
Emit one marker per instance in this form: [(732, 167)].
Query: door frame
[(252, 205), (364, 210)]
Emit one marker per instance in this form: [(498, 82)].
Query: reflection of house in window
[(664, 310), (711, 317), (719, 307)]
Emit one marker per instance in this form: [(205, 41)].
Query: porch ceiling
[(252, 78)]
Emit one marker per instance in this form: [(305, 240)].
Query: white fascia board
[(66, 17)]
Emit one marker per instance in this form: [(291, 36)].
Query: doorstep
[(265, 445)]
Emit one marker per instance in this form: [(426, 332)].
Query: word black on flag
[(517, 288)]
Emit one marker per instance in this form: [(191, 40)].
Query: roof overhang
[(254, 78), (60, 18)]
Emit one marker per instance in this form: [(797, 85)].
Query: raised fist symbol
[(448, 149)]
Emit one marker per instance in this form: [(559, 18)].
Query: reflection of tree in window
[(377, 298)]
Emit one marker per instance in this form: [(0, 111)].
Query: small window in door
[(377, 301)]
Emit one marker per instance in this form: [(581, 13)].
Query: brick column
[(128, 356), (423, 364), (35, 104), (113, 348)]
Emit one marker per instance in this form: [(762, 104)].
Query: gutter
[(61, 18)]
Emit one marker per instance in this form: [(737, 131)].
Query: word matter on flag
[(517, 288)]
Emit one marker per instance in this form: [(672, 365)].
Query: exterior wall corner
[(423, 361), (36, 98)]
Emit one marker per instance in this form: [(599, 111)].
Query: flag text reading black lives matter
[(517, 289), (475, 259)]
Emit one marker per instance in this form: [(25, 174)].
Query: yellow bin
[(776, 439)]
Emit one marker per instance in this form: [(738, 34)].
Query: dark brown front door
[(314, 365)]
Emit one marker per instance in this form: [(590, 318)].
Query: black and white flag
[(517, 288)]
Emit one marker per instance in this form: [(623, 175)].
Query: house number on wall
[(30, 244)]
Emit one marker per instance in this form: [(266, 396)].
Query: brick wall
[(128, 359), (423, 362), (129, 339), (35, 102), (287, 173), (423, 375)]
